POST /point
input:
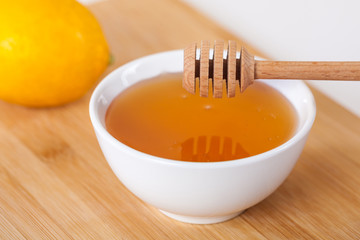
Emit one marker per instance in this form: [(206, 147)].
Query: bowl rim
[(100, 129)]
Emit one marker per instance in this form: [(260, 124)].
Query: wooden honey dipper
[(244, 70)]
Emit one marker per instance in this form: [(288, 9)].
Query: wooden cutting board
[(56, 184)]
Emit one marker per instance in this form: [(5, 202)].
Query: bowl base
[(201, 220)]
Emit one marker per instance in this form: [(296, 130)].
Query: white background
[(308, 30)]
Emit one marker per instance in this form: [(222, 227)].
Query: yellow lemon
[(51, 52)]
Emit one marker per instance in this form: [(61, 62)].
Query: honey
[(158, 117)]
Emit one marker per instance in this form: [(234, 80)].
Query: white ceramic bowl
[(197, 192)]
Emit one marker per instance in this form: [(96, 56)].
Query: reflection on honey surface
[(204, 149)]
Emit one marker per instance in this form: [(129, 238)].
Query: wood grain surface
[(56, 184)]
